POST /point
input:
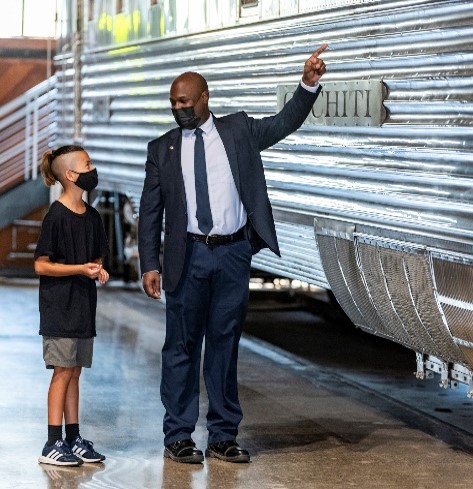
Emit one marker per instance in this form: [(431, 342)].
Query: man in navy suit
[(207, 178)]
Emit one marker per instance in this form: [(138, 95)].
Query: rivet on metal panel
[(444, 376)]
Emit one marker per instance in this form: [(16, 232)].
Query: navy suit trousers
[(210, 301)]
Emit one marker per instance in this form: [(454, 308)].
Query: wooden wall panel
[(23, 64)]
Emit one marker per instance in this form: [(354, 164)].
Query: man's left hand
[(314, 67)]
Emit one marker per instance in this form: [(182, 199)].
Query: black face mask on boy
[(88, 180), (186, 117)]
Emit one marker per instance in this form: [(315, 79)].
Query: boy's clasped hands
[(96, 271)]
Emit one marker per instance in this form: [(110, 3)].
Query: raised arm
[(270, 130)]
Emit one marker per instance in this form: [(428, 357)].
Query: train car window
[(289, 7), (221, 13), (181, 17), (197, 15), (157, 19), (90, 12), (269, 9), (249, 9)]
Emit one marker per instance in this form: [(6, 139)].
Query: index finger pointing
[(319, 51)]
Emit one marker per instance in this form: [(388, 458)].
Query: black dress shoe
[(184, 451), (229, 451)]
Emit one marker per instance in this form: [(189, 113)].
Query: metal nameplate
[(351, 103)]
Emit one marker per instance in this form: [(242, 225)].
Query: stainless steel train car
[(373, 196)]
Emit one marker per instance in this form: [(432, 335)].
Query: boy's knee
[(64, 373), (76, 372)]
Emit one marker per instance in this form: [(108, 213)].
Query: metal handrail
[(27, 128), (40, 88)]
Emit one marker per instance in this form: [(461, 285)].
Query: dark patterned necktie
[(204, 214)]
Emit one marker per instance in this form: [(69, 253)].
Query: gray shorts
[(67, 352)]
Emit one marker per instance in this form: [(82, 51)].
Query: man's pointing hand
[(314, 67)]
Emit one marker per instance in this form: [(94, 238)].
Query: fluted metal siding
[(415, 171), (407, 291)]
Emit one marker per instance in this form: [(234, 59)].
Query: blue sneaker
[(84, 449), (59, 454)]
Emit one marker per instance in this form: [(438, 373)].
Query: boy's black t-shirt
[(68, 304)]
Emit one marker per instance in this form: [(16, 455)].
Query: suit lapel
[(226, 135), (173, 159)]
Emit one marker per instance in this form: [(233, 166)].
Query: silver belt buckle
[(207, 239)]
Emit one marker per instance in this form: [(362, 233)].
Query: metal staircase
[(27, 129)]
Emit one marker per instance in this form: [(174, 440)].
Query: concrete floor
[(302, 431)]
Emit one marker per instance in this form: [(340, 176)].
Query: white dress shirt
[(228, 213)]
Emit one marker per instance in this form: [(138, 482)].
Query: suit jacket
[(243, 138)]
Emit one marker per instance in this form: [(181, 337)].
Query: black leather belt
[(218, 239)]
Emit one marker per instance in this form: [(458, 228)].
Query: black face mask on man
[(186, 117), (88, 180)]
